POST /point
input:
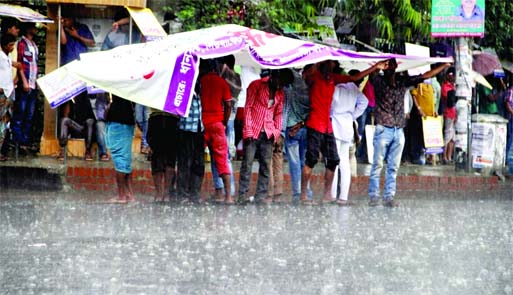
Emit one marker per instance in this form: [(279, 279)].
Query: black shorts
[(162, 138), (324, 143)]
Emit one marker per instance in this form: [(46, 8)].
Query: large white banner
[(161, 74)]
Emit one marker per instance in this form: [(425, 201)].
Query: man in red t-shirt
[(321, 80), (216, 109)]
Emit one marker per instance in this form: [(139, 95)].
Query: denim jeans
[(24, 106), (230, 136), (100, 137), (388, 145), (295, 149), (141, 117), (264, 147)]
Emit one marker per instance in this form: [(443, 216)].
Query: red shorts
[(215, 139)]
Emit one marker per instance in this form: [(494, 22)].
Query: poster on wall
[(483, 138), (457, 18)]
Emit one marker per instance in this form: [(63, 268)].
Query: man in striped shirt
[(262, 127)]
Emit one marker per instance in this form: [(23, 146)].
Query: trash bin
[(488, 147)]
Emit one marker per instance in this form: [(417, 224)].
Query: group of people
[(18, 90), (309, 113)]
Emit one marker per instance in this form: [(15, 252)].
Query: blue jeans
[(24, 106), (141, 117), (295, 149), (230, 136), (388, 145), (100, 137)]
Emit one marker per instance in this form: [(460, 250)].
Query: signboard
[(147, 23), (60, 86), (433, 134), (457, 18)]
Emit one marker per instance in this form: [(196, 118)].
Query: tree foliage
[(394, 20)]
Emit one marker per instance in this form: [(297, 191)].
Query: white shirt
[(6, 82), (348, 104)]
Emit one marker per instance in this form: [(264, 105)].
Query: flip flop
[(116, 201), (307, 202), (328, 202)]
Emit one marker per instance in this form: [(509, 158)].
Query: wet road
[(62, 244)]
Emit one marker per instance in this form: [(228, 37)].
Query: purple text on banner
[(220, 46), (68, 95), (181, 85)]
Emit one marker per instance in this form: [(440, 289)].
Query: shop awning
[(131, 3), (23, 14)]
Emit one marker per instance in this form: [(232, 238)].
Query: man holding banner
[(389, 134)]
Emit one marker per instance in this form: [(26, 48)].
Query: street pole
[(464, 85)]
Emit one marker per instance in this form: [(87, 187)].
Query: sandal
[(344, 203), (104, 158), (307, 202), (327, 202), (3, 158)]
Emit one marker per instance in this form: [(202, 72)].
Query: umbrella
[(162, 74), (23, 14), (485, 63)]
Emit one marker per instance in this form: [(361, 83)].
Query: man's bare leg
[(129, 191), (228, 188), (305, 178), (158, 179), (328, 181)]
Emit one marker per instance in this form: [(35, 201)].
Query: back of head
[(8, 23), (121, 13), (229, 60), (6, 39), (25, 27)]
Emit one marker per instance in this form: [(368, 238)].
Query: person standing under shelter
[(295, 113), (322, 80), (26, 95), (7, 43), (216, 109), (389, 136), (348, 104), (77, 114), (162, 138), (262, 127)]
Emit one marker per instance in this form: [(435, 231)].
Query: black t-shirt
[(81, 110), (121, 111)]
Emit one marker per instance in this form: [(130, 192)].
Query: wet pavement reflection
[(73, 244)]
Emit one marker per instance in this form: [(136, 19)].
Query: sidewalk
[(48, 174)]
